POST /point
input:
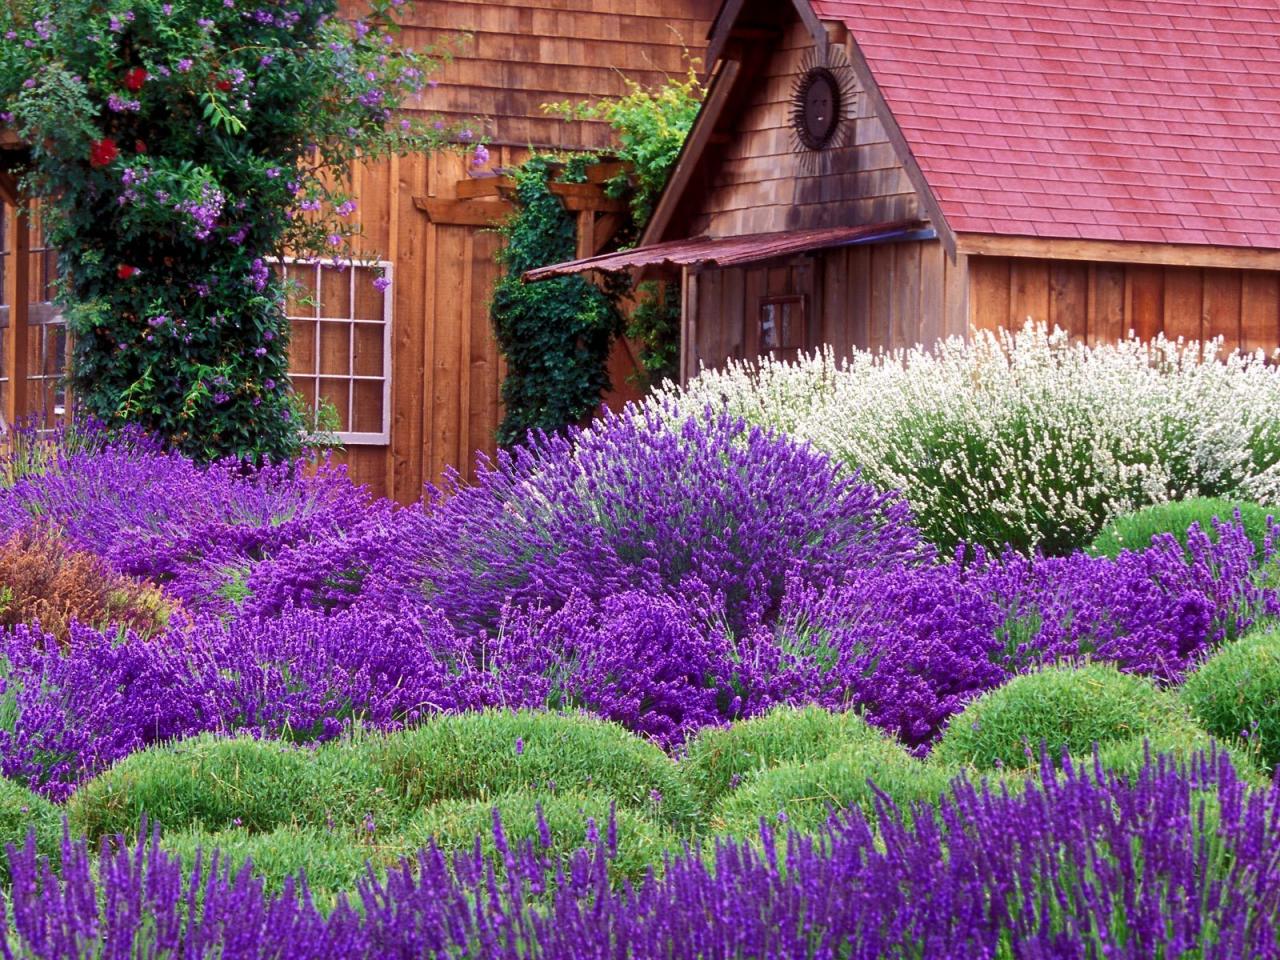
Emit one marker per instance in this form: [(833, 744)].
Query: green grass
[(1134, 531), (454, 825), (21, 812), (215, 784), (477, 756), (1062, 709), (721, 759), (1235, 695), (802, 796)]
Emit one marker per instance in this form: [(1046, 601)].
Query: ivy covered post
[(555, 335), (182, 147)]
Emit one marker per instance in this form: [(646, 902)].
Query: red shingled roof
[(1141, 120)]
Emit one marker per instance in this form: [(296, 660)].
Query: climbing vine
[(183, 146), (556, 334)]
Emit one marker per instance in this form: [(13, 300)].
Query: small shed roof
[(730, 251), (1135, 120)]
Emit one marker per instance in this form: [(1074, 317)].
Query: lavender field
[(673, 685)]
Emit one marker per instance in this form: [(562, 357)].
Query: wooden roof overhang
[(743, 37), (704, 252), (1118, 251)]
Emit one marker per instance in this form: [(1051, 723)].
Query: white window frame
[(349, 437)]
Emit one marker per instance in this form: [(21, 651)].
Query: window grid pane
[(341, 346)]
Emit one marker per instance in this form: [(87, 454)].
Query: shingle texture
[(1136, 120)]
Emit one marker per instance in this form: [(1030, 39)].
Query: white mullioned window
[(340, 351)]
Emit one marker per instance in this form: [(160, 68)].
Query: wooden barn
[(415, 374), (881, 173)]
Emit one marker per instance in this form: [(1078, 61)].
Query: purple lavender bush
[(707, 511), (157, 515), (1177, 863), (68, 711)]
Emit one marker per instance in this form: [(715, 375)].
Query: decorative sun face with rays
[(823, 106)]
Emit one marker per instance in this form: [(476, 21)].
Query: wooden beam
[(703, 128), (464, 213), (484, 187), (606, 227), (9, 189), (722, 29), (586, 234), (17, 295), (816, 30), (927, 199), (688, 325), (1109, 251)]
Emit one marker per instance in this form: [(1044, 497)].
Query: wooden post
[(17, 294), (688, 325)]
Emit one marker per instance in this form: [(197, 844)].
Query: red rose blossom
[(224, 85), (134, 79), (102, 152), (139, 146), (126, 271)]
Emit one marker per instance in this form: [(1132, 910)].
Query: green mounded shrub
[(1180, 742), (333, 862), (721, 759), (1235, 694), (1058, 709), (218, 783), (802, 796), (1134, 531), (476, 756), (454, 825), (22, 811)]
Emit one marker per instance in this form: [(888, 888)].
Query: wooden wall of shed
[(766, 184), (524, 53), (885, 296), (1104, 301)]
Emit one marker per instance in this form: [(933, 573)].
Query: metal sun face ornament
[(823, 106), (817, 108)]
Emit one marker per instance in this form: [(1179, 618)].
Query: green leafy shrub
[(1061, 708), (1134, 531), (1235, 694), (572, 820), (334, 862), (721, 759), (22, 811), (802, 796), (181, 147), (477, 756), (555, 335), (217, 783), (1180, 742)]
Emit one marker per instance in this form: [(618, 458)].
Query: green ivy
[(650, 127), (182, 146), (556, 334)]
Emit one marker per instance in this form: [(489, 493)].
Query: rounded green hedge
[(476, 756), (217, 783), (1134, 531), (454, 825), (721, 759), (802, 796), (1235, 694), (22, 811), (1060, 709), (332, 861)]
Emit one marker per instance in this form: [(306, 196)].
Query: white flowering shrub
[(1024, 439)]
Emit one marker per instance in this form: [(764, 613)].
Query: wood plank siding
[(1101, 301), (446, 372), (884, 296), (765, 183)]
